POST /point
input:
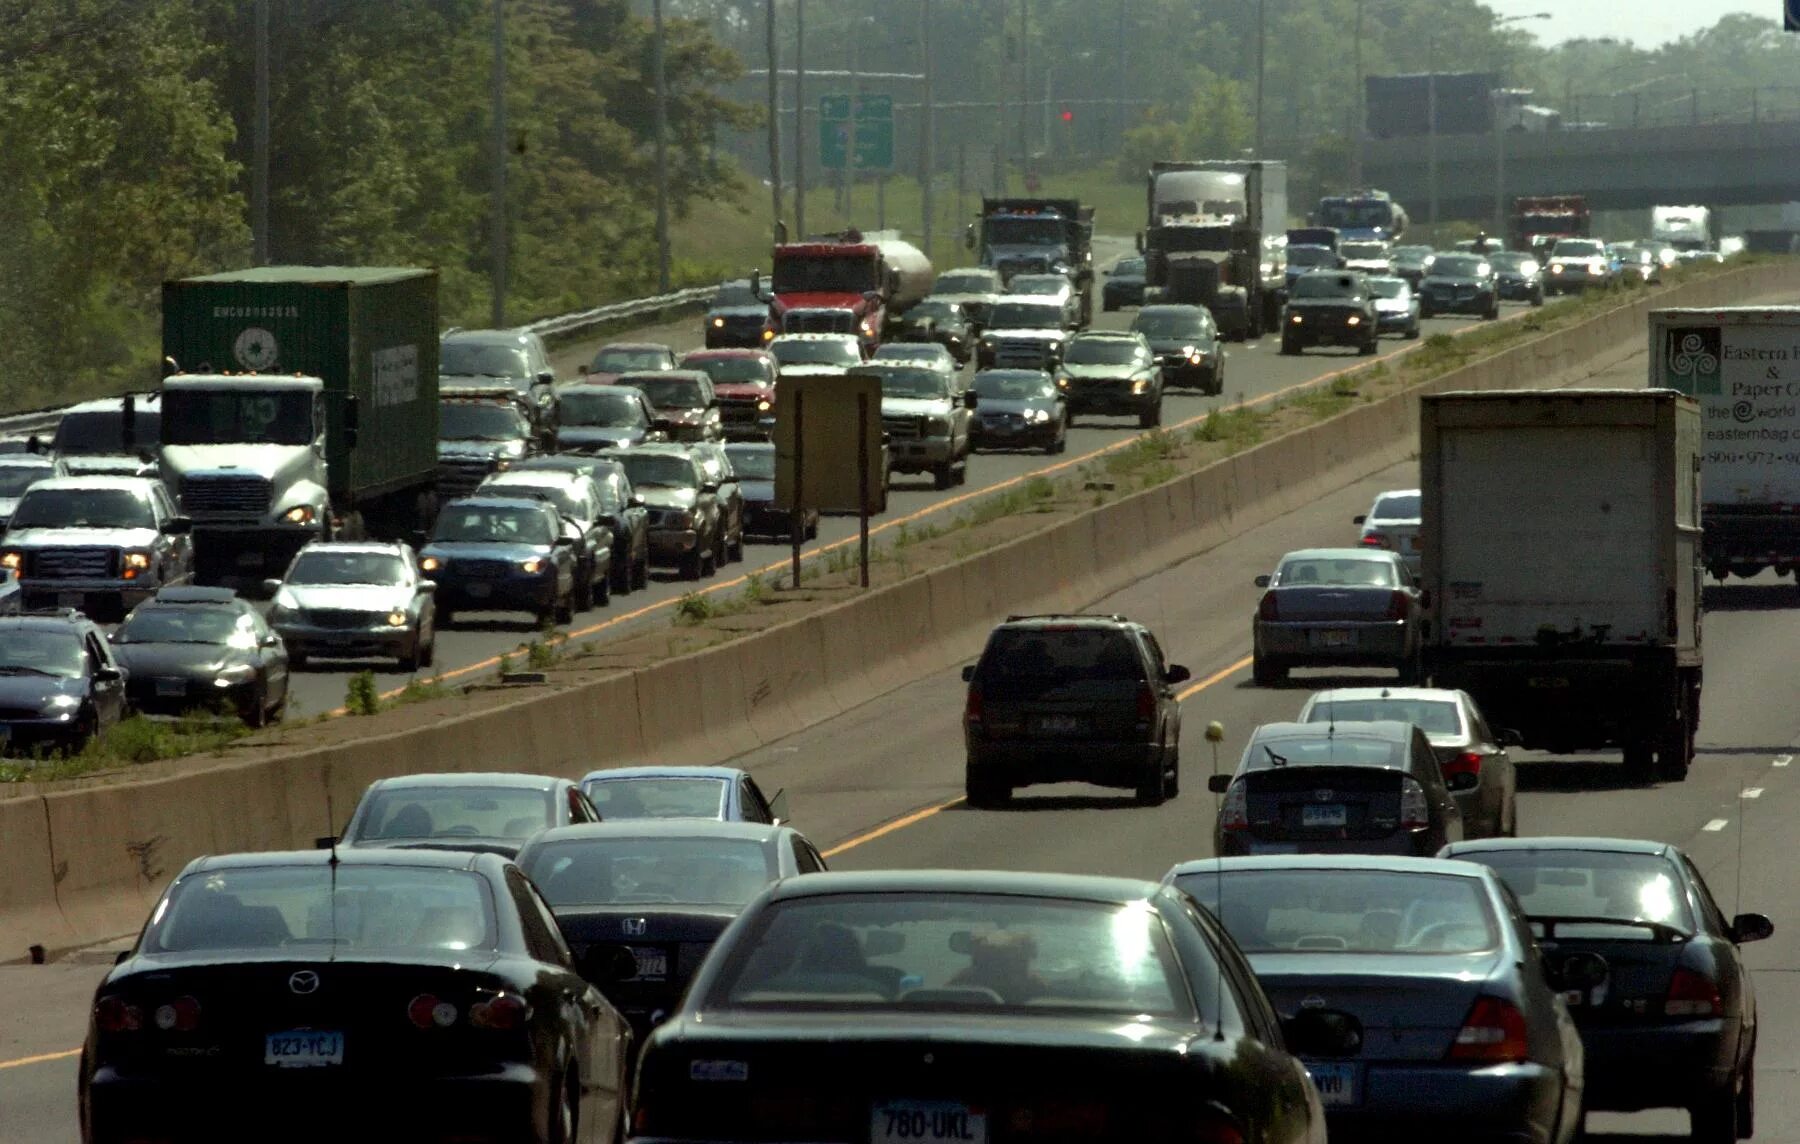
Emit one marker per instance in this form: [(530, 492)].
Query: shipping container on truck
[(1742, 364), (302, 405), (1561, 534)]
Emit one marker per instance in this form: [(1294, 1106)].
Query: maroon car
[(617, 358), (744, 381)]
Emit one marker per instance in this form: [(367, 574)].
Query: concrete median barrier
[(85, 864)]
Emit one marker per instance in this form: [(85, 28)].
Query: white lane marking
[(1783, 760), (1752, 792), (1716, 824)]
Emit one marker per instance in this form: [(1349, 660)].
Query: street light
[(1499, 127)]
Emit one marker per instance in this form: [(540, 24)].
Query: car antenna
[(1215, 734), (332, 864)]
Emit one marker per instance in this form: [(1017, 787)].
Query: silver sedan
[(356, 600), (1338, 607)]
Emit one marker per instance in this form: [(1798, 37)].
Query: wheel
[(641, 578), (737, 548), (296, 661), (1493, 312), (1427, 312), (564, 1117), (1150, 788), (428, 653), (564, 611), (693, 564), (1290, 346), (1412, 333), (1266, 674), (622, 572), (1172, 775), (959, 474), (1715, 1117), (1675, 753), (1638, 761), (1537, 299), (1746, 1100), (721, 550), (983, 792), (583, 591), (256, 712), (1151, 417), (1369, 346), (601, 591), (811, 531), (410, 662), (942, 476)]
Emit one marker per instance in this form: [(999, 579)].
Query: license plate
[(1336, 1083), (1328, 815), (171, 687), (479, 591), (304, 1049), (914, 1120), (1332, 639), (1058, 724), (70, 600), (1548, 681), (652, 964)]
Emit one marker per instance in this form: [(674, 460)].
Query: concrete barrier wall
[(86, 864)]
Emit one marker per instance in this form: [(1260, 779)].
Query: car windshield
[(1598, 884), (1336, 572), (620, 359), (955, 951), (15, 479), (182, 623), (1045, 230), (1363, 250), (1129, 268), (1013, 385), (826, 274), (672, 392), (966, 283), (82, 508), (1388, 287), (494, 523), (343, 906), (1347, 911), (616, 871), (731, 370), (480, 421), (1183, 323), (752, 463), (38, 651), (478, 359), (1403, 506), (1040, 284), (659, 469), (1458, 266), (735, 294), (1101, 351), (1432, 716), (657, 797), (327, 567), (100, 432), (232, 416), (420, 813), (1329, 749), (552, 491), (1320, 284), (910, 381), (1578, 248), (1355, 213), (1310, 256), (1519, 263), (937, 311), (816, 351), (1027, 316), (910, 351), (600, 410)]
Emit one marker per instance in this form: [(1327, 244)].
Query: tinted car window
[(731, 370), (346, 568), (1079, 653), (1337, 572), (751, 463), (672, 392), (410, 814), (1341, 911), (15, 479), (1012, 385), (1101, 351), (657, 798), (1169, 323), (1311, 256), (103, 431), (1317, 285), (1026, 316), (183, 624), (41, 651), (1431, 716), (618, 360), (506, 525), (476, 421), (628, 871), (1403, 507), (1594, 884), (1458, 266), (659, 469), (82, 508), (736, 294), (474, 358), (605, 410)]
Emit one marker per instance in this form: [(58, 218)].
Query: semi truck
[(1037, 236), (846, 283), (1366, 215), (1742, 364), (1216, 236), (299, 403), (1539, 220), (1561, 566), (1684, 228)]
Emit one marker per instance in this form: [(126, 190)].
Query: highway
[(880, 786)]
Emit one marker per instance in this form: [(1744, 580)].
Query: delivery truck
[(1742, 364), (1561, 566), (300, 403)]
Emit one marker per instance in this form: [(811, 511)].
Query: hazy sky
[(1646, 23)]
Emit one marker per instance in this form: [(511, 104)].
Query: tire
[(601, 591), (582, 598), (641, 578), (1151, 417), (1218, 379), (1412, 335), (737, 548), (622, 573), (1289, 347), (959, 474), (256, 714), (1715, 1117), (1427, 312), (943, 476), (297, 660), (984, 793), (564, 611), (1639, 762), (1675, 752), (1265, 674), (1172, 774), (1150, 788), (1369, 347), (693, 564), (428, 654), (1492, 314), (1537, 299), (1746, 1100), (410, 663)]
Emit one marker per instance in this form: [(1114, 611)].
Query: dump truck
[(1216, 236), (1037, 236), (1364, 215), (1539, 220), (850, 282), (1561, 566), (299, 403)]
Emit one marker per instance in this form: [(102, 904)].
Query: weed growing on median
[(420, 690), (362, 697), (505, 664), (694, 608)]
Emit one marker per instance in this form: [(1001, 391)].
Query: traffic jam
[(1371, 949)]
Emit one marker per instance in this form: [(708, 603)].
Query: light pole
[(774, 117), (1498, 100), (928, 127), (497, 269), (259, 165), (799, 119), (662, 153), (1262, 35)]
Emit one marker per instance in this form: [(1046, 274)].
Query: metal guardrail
[(26, 424)]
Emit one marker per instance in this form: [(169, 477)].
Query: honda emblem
[(635, 927)]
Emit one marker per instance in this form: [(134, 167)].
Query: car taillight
[(1146, 702), (114, 1015), (1235, 813), (1692, 994), (1414, 813), (181, 1015), (1215, 1129), (1376, 540), (1396, 609), (427, 1011), (502, 1012), (1494, 1031), (1466, 763), (972, 706), (1269, 609)]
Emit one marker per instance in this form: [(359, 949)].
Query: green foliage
[(361, 696), (694, 608)]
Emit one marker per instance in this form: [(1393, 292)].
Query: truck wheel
[(1638, 760), (641, 579), (1290, 346), (583, 593), (1265, 674), (564, 611), (942, 475), (737, 548), (1150, 418), (1150, 789), (1369, 347), (691, 564), (622, 572), (1676, 752), (983, 792)]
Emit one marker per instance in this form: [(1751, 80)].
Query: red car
[(616, 358), (744, 381)]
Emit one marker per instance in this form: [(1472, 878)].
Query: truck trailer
[(1215, 236), (1561, 566)]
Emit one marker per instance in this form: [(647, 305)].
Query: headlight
[(430, 564), (768, 334), (533, 566), (1528, 268), (1268, 268), (867, 329), (987, 343), (938, 424), (1296, 319), (1353, 320), (13, 560), (1140, 385), (1039, 415), (62, 703), (1556, 268), (1483, 270), (718, 323), (763, 405), (397, 618), (1196, 358), (299, 514), (1062, 383), (1187, 351), (138, 560)]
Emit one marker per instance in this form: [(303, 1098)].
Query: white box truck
[(1742, 364), (1562, 537)]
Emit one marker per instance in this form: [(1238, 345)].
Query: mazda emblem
[(634, 927), (304, 982), (1324, 795)]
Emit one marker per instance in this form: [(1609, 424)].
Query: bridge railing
[(1670, 105)]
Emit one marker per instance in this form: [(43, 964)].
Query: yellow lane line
[(41, 1058)]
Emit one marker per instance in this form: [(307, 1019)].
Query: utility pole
[(1357, 113), (1262, 35), (799, 119), (1431, 169), (497, 271), (774, 117), (662, 153), (928, 135), (1024, 86), (1121, 110), (259, 165), (1006, 57)]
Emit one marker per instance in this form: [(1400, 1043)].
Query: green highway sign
[(870, 129)]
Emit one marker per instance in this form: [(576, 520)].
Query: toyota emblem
[(304, 982), (634, 927)]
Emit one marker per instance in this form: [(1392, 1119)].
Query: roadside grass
[(134, 740)]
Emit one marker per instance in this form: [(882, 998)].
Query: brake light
[(181, 1015), (1493, 1031), (426, 1011), (1269, 609), (1396, 609), (114, 1015), (1467, 763), (1215, 1129), (1146, 702), (1235, 813), (1376, 540), (1692, 994), (503, 1012), (972, 707), (1414, 813)]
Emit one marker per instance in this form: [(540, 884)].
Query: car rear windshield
[(346, 568), (1432, 716), (1013, 385), (951, 951), (1347, 911), (316, 906), (1593, 884), (621, 360), (657, 797), (1339, 750), (1064, 663), (1336, 572), (38, 651), (499, 525), (616, 871), (416, 814), (600, 410), (1183, 323), (100, 432), (82, 508), (1322, 285), (1406, 506), (187, 624), (966, 284), (480, 421), (753, 464), (1100, 351), (1311, 256), (731, 370)]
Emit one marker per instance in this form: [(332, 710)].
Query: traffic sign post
[(857, 131)]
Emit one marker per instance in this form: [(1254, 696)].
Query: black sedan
[(493, 812), (1113, 373), (975, 1006), (1670, 1018), (1017, 409), (1337, 607), (1460, 284), (590, 417), (641, 902), (686, 521), (1520, 276), (1124, 285), (1187, 344), (1466, 1037), (1336, 788), (188, 649), (576, 499), (754, 463), (939, 321), (414, 996)]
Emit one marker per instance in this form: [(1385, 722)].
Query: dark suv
[(1072, 698), (59, 683), (1330, 308)]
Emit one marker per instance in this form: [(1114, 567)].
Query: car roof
[(191, 594), (371, 547), (26, 461), (1113, 335), (1390, 730), (497, 780), (738, 352), (1166, 308), (1030, 299), (1380, 554), (635, 346), (1013, 372), (489, 501), (1078, 887), (653, 771), (604, 387), (1554, 842), (1385, 493), (662, 828), (1394, 863), (46, 620), (491, 337), (98, 483), (815, 337), (654, 448), (1071, 619), (1356, 694), (343, 856), (664, 374), (751, 446), (533, 477)]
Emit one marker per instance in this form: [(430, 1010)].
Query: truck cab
[(850, 283), (1037, 236)]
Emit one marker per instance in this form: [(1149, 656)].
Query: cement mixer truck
[(848, 283)]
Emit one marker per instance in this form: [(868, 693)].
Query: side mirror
[(1177, 674), (636, 501), (177, 526), (1322, 1033), (1751, 927), (122, 957), (1262, 581), (108, 675), (269, 640), (969, 236), (1359, 518), (968, 673), (1140, 242), (34, 444), (756, 283), (778, 807), (609, 964), (352, 414), (270, 587), (709, 486), (581, 370), (969, 399), (326, 842), (427, 587), (1511, 738), (546, 378), (1218, 784)]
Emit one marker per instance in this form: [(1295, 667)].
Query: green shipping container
[(371, 332)]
